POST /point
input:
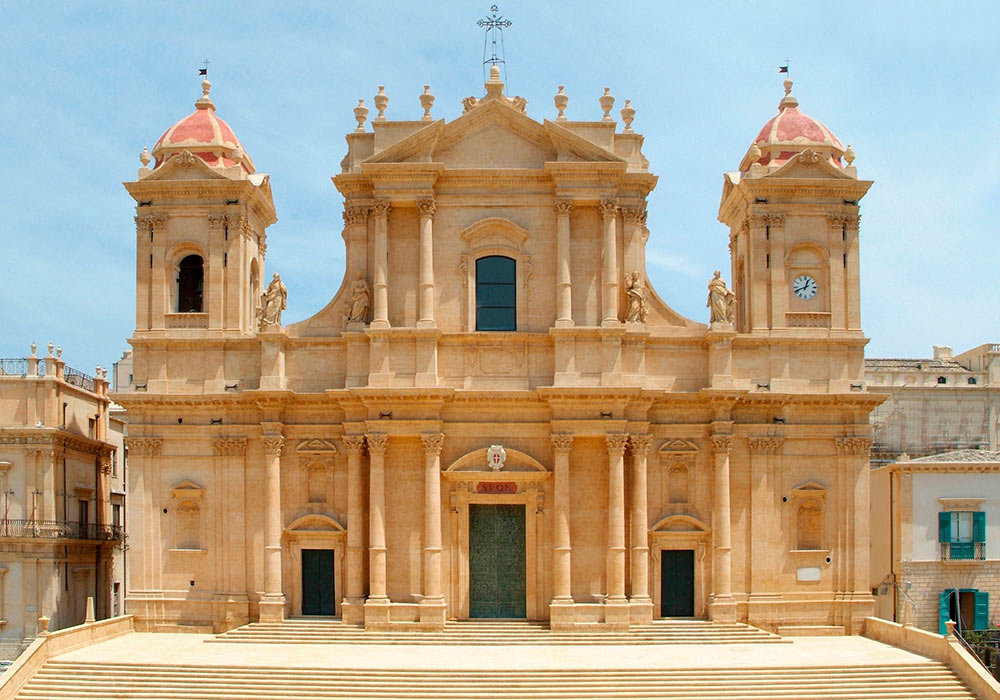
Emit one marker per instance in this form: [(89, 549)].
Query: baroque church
[(495, 416)]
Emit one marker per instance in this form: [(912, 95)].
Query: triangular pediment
[(809, 488), (677, 446), (316, 446), (187, 489), (809, 164)]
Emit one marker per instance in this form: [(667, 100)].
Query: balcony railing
[(958, 551), (61, 530)]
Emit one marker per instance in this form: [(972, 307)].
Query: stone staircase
[(498, 633), (63, 680)]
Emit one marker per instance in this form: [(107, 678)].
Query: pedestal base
[(562, 615), (352, 611), (722, 610), (640, 611), (377, 614), (616, 615), (433, 614), (272, 608)]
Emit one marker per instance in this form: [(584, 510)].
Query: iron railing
[(61, 530), (13, 367), (78, 378), (957, 551), (985, 646)]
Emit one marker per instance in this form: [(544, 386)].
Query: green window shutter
[(982, 619), (979, 527), (944, 528), (943, 614)]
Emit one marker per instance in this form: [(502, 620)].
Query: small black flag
[(204, 71), (783, 69)]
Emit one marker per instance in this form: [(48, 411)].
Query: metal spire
[(493, 25)]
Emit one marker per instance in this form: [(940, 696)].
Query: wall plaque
[(496, 487)]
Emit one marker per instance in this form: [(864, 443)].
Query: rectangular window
[(496, 294), (116, 514), (962, 535)]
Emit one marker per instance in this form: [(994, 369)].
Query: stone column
[(564, 286), (634, 235), (616, 604), (426, 280), (764, 528), (609, 274), (641, 603), (432, 607), (272, 603), (561, 615), (380, 276), (50, 461), (354, 598), (377, 607), (722, 606)]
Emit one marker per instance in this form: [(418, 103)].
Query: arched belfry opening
[(190, 285)]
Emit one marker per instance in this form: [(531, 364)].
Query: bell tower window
[(190, 284), (496, 293)]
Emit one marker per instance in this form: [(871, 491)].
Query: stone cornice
[(945, 467)]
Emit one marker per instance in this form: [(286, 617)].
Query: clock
[(805, 287)]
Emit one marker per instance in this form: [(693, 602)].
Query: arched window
[(190, 283), (496, 294)]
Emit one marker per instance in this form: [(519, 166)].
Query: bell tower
[(202, 212), (792, 212)]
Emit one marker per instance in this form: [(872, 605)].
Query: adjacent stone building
[(496, 415), (62, 465)]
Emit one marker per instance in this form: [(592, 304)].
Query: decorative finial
[(50, 349), (427, 101), (494, 74), (628, 114), (381, 102), (494, 25), (849, 155), (561, 101), (205, 101), (144, 157), (58, 350), (361, 113), (607, 102), (755, 153), (34, 349), (104, 372), (788, 100)]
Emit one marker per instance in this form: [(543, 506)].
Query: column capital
[(273, 444), (105, 464), (433, 442), (381, 208), (229, 447), (427, 207), (146, 447), (355, 215), (639, 444), (377, 443), (561, 442), (854, 446), (634, 215), (616, 443), (609, 205), (765, 445), (354, 444), (721, 443), (563, 207)]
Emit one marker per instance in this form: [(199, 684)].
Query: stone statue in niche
[(721, 301), (637, 308), (360, 300), (272, 303)]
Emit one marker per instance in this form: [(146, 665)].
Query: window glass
[(496, 294), (961, 526)]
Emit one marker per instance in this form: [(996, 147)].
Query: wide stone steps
[(62, 680), (476, 633)]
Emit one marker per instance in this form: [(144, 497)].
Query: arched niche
[(676, 532), (312, 531)]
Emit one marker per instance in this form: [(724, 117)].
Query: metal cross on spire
[(494, 25)]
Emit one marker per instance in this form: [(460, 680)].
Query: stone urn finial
[(381, 102), (51, 346), (607, 102), (561, 101), (427, 101), (144, 157), (43, 623), (34, 349), (849, 155), (628, 114), (361, 114)]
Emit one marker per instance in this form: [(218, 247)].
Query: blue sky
[(912, 86)]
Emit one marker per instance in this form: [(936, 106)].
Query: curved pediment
[(680, 523), (315, 523), (495, 232)]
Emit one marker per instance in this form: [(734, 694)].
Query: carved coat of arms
[(495, 457)]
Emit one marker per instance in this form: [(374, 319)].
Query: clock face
[(805, 287)]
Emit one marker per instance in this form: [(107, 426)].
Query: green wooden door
[(677, 583), (317, 582), (496, 561)]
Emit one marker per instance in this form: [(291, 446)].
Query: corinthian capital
[(273, 444), (229, 447), (639, 444), (355, 215), (609, 205), (377, 443), (563, 207), (146, 447), (354, 444), (634, 215), (562, 443), (381, 208), (721, 443), (433, 442), (854, 446), (427, 207), (765, 445), (616, 443)]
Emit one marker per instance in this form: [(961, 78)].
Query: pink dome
[(204, 135), (791, 132)]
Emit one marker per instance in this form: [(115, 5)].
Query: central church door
[(317, 582), (496, 561), (677, 583)]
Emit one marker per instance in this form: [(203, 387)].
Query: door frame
[(313, 531), (681, 532), (528, 489)]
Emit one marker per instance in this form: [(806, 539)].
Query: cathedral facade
[(496, 416)]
